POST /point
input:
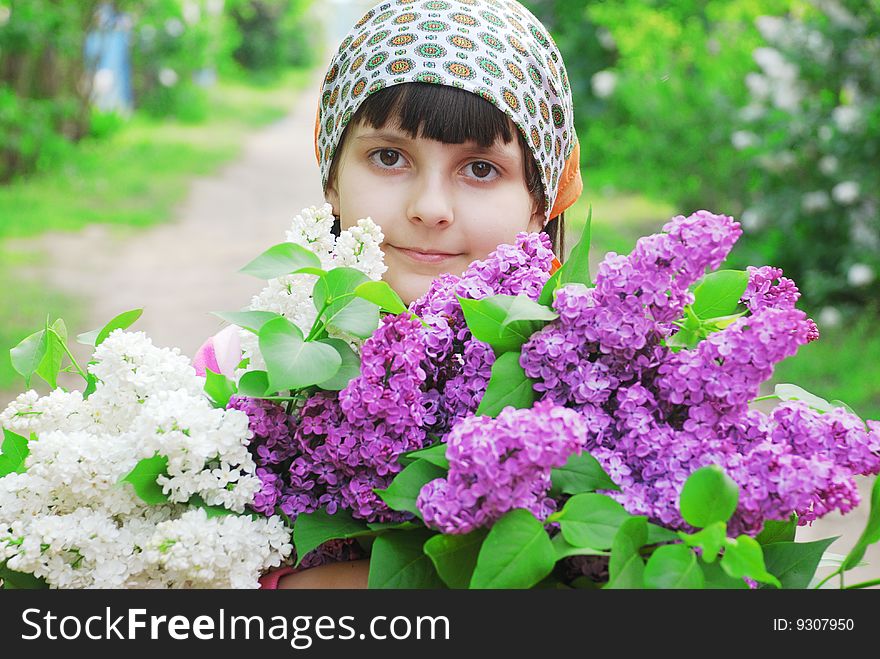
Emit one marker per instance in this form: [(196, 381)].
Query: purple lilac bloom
[(714, 383), (460, 365), (333, 551), (349, 444), (271, 425), (497, 465)]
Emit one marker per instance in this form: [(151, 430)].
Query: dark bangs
[(452, 116)]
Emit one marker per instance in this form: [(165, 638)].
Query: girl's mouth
[(425, 257)]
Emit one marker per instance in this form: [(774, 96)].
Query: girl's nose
[(430, 200)]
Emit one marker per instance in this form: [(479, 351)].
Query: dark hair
[(452, 116)]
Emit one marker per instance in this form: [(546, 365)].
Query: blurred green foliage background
[(768, 110)]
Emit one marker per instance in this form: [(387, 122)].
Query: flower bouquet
[(509, 429)]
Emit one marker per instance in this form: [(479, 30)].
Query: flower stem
[(864, 584), (73, 361)]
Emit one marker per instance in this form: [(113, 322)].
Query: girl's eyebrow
[(472, 147)]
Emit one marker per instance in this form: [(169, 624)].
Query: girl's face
[(441, 206)]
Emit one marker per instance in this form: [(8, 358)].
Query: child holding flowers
[(450, 124)]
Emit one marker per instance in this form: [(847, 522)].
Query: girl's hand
[(352, 574)]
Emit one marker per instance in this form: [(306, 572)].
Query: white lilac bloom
[(847, 118), (751, 220), (130, 369), (603, 83), (829, 317), (743, 139), (229, 551), (191, 11), (313, 228), (771, 27), (75, 469), (358, 247), (174, 27), (168, 77), (860, 274), (206, 449), (846, 192), (291, 295), (30, 413), (70, 520), (828, 165), (813, 202), (758, 85)]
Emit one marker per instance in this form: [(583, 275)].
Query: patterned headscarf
[(494, 48)]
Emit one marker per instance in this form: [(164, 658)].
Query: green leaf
[(683, 339), (122, 321), (381, 294), (717, 579), (576, 269), (334, 296), (548, 292), (778, 531), (403, 491), (786, 391), (871, 532), (658, 534), (219, 388), (563, 549), (398, 560), (88, 338), (254, 384), (13, 453), (143, 479), (51, 363), (719, 293), (435, 454), (487, 320), (337, 284), (311, 530), (27, 356), (350, 369), (211, 511), (591, 520), (720, 322), (13, 580), (281, 259), (581, 473), (252, 321), (673, 566), (516, 554), (795, 563), (626, 569), (381, 527), (524, 308), (508, 386), (744, 557), (91, 385), (455, 556), (353, 315), (709, 495), (711, 539), (292, 362)]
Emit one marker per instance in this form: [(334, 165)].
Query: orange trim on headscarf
[(318, 130), (570, 184)]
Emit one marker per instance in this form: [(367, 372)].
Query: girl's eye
[(482, 170), (387, 157)]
